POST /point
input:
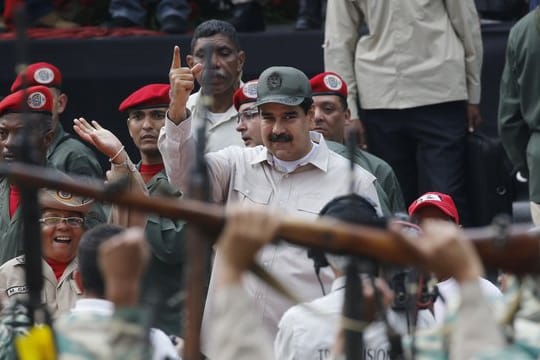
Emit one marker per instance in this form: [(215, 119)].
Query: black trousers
[(425, 146)]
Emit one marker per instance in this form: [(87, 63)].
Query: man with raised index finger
[(218, 82), (294, 172)]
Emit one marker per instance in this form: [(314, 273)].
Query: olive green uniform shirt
[(162, 281), (387, 184), (11, 228), (519, 105), (71, 156)]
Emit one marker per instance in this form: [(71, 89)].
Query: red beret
[(328, 83), (40, 73), (246, 93), (153, 95), (38, 99), (443, 202)]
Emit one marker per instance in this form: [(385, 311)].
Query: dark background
[(100, 73)]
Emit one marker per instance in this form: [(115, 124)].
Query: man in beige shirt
[(294, 172), (416, 76), (227, 62)]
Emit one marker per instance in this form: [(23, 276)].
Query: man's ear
[(347, 117), (48, 139), (78, 280), (129, 129), (241, 61), (61, 103)]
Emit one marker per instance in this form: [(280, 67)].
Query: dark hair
[(213, 27), (42, 119), (91, 276), (343, 102), (306, 104)]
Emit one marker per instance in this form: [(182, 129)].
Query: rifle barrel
[(519, 251)]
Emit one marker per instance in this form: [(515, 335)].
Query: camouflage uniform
[(14, 321), (98, 337)]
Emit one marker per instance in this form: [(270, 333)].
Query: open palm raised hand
[(104, 140)]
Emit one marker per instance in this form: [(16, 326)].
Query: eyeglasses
[(75, 222), (247, 115)]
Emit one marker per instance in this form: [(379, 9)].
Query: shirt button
[(266, 263)]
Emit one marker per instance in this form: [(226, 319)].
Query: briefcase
[(490, 181)]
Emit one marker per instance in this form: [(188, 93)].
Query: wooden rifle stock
[(517, 250)]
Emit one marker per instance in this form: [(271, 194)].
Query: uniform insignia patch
[(250, 90), (429, 197), (36, 100), (64, 195), (274, 81), (332, 82), (44, 76), (14, 290)]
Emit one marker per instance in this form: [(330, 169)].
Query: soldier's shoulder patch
[(14, 290)]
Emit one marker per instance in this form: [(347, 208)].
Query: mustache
[(280, 137), (213, 73)]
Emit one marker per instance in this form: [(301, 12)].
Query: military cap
[(283, 85), (443, 202), (37, 99), (328, 83), (62, 200), (40, 73), (153, 95), (245, 94)]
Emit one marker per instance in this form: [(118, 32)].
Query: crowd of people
[(167, 16), (371, 149)]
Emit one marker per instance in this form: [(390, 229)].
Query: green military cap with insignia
[(283, 85)]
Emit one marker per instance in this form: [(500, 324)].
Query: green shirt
[(387, 183), (519, 106), (11, 228), (162, 281), (71, 156)]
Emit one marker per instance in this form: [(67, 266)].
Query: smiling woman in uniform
[(62, 225)]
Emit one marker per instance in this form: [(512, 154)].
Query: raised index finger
[(176, 58)]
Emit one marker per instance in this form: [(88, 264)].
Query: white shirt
[(162, 347), (449, 289), (245, 175), (220, 127), (308, 331)]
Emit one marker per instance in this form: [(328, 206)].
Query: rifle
[(515, 249), (199, 252), (40, 340)]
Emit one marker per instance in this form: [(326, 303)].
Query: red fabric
[(328, 83), (147, 96), (83, 32), (34, 99), (40, 73), (246, 93), (9, 9), (14, 199), (439, 200), (148, 171), (57, 267)]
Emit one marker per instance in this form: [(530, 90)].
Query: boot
[(309, 15)]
